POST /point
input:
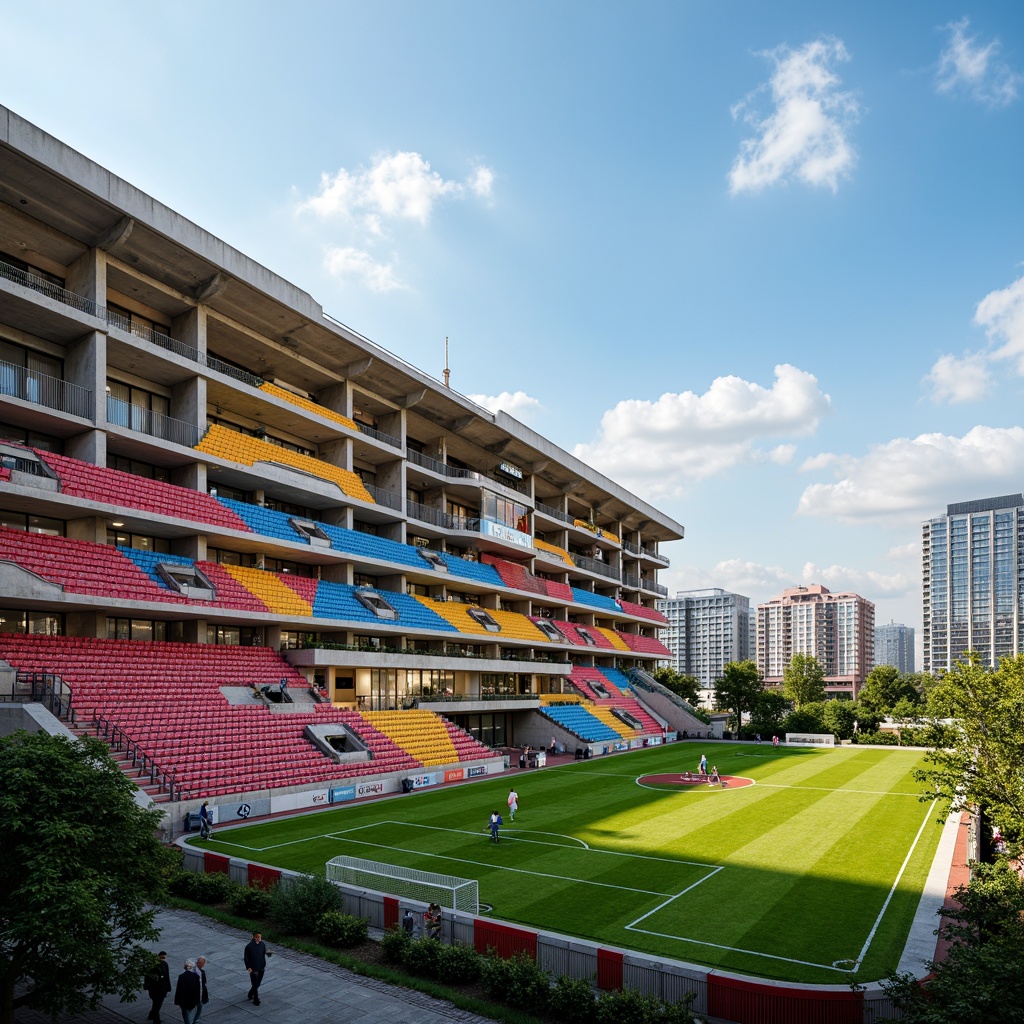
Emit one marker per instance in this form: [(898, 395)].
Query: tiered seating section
[(167, 698), (304, 403), (619, 695), (125, 490), (560, 554), (420, 732), (578, 719), (235, 447)]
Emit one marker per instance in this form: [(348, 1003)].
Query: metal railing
[(458, 473), (44, 688), (42, 389), (51, 291), (379, 435), (233, 371), (436, 517), (117, 739), (562, 517), (386, 499), (639, 549), (145, 421), (595, 566), (154, 337)]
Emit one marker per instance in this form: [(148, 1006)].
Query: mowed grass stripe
[(805, 867)]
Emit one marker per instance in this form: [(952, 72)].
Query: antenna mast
[(447, 372)]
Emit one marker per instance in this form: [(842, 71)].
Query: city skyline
[(761, 265)]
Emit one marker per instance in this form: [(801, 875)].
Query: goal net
[(425, 886)]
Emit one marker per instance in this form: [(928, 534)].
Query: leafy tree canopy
[(982, 763), (682, 685), (80, 863), (738, 690), (769, 711), (884, 688), (981, 978), (803, 681)]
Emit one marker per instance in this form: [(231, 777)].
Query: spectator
[(157, 985), (188, 993)]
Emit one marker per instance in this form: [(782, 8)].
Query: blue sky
[(761, 263)]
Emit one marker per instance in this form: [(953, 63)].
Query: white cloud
[(969, 377), (397, 186), (839, 578), (1001, 313), (958, 379), (356, 265), (907, 480), (518, 404), (805, 137), (965, 65), (660, 447)]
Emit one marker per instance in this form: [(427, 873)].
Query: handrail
[(135, 417), (379, 435), (386, 499), (44, 688), (42, 389), (554, 513), (117, 739), (593, 565), (51, 291)]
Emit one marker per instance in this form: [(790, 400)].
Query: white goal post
[(810, 739), (426, 886)]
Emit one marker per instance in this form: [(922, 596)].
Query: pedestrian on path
[(188, 993), (158, 985), (204, 991), (513, 803), (255, 958)]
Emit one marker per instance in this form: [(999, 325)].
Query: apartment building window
[(499, 509), (134, 407), (125, 465), (10, 432), (137, 323), (29, 268), (32, 524), (24, 371), (12, 620)]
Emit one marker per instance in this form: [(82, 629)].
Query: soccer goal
[(426, 886)]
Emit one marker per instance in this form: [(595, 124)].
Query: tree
[(681, 684), (981, 977), (768, 712), (803, 681), (982, 761), (838, 718), (884, 688), (738, 689), (80, 863)]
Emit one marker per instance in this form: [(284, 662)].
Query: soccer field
[(811, 874)]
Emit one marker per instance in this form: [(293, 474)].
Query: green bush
[(572, 1001), (393, 945), (423, 957), (251, 901), (458, 965), (877, 739), (517, 981), (341, 930), (628, 1007), (296, 905), (202, 888)]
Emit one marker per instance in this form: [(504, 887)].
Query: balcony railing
[(554, 513), (444, 520), (379, 435), (51, 291), (636, 549), (42, 389), (386, 499), (593, 565), (145, 421), (458, 473), (164, 341)]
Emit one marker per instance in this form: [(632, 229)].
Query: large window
[(499, 509), (26, 374), (135, 408), (32, 524), (34, 623)]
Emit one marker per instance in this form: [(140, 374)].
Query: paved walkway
[(297, 988)]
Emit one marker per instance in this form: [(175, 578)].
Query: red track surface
[(694, 781)]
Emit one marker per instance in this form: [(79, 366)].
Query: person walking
[(205, 821), (513, 803), (494, 823), (157, 985), (188, 993), (703, 764), (204, 995), (256, 964)]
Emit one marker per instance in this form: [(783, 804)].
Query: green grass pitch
[(812, 874)]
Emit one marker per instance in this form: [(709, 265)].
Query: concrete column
[(190, 328), (87, 276)]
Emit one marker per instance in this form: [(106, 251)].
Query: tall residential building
[(706, 630), (972, 561), (894, 645), (838, 629)]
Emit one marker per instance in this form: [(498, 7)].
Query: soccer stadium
[(275, 568)]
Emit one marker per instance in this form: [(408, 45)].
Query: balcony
[(379, 435), (598, 567), (42, 389), (145, 421), (458, 473)]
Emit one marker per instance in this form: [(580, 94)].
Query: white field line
[(892, 890), (827, 789)]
